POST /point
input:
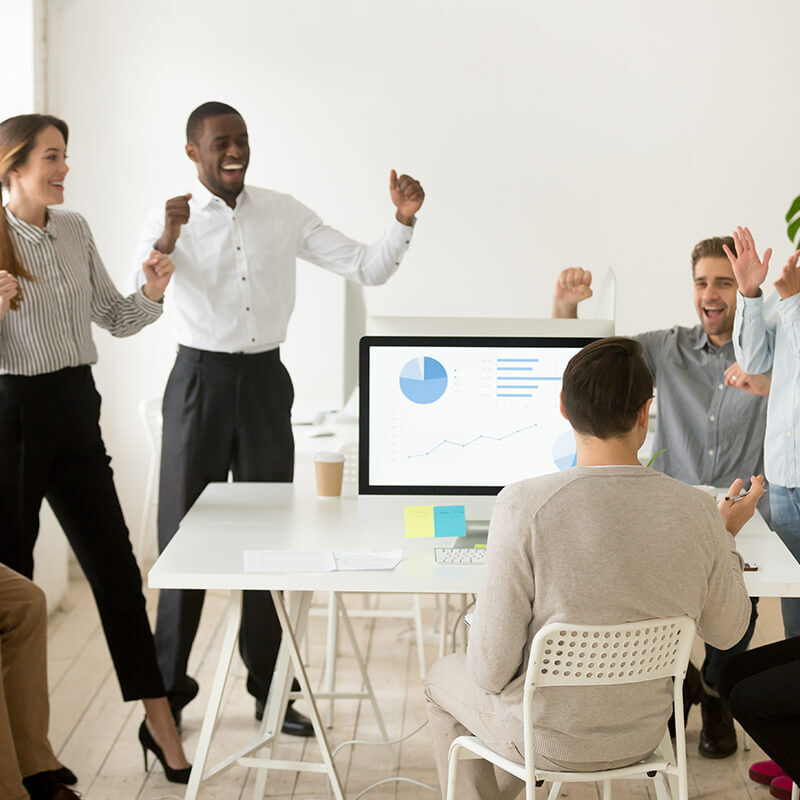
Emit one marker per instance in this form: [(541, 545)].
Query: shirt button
[(244, 279), (238, 248), (711, 417), (721, 386), (711, 452), (252, 340), (247, 308)]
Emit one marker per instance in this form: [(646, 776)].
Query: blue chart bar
[(533, 360), (516, 369), (516, 386), (515, 395)]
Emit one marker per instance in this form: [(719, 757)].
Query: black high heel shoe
[(149, 743)]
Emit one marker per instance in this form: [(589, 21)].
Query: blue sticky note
[(449, 521)]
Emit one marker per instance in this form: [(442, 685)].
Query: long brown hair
[(17, 137)]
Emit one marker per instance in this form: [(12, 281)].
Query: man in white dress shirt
[(228, 399)]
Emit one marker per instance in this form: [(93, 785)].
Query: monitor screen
[(461, 415)]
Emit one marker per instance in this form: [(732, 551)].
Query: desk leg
[(302, 677), (366, 683), (217, 688), (330, 650)]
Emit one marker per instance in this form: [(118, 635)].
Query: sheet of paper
[(419, 522), (449, 521), (367, 559), (279, 561)]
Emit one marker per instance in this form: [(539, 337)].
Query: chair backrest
[(565, 654)]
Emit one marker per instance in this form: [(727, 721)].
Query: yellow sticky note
[(419, 522)]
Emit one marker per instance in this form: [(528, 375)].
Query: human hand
[(176, 214), (573, 285), (407, 194), (789, 282), (736, 511), (158, 269), (8, 291), (750, 271), (754, 384)]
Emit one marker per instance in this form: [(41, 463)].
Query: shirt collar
[(33, 233), (701, 341), (204, 198)]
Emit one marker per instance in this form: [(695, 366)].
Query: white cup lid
[(329, 458)]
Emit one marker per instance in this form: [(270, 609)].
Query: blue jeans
[(785, 507)]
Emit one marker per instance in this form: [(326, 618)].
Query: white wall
[(18, 96), (546, 134)]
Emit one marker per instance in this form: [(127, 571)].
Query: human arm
[(758, 384), (8, 291), (573, 286), (371, 264), (121, 316), (726, 610), (500, 624)]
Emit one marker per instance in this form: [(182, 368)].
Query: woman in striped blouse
[(52, 287)]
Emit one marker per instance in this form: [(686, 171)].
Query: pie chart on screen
[(565, 453), (423, 380)]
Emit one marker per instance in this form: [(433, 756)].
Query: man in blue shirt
[(710, 432)]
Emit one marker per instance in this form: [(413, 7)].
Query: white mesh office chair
[(598, 655)]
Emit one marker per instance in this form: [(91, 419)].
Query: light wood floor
[(94, 732)]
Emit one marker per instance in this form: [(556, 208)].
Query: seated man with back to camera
[(710, 427), (605, 542)]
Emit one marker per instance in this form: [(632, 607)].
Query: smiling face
[(221, 152), (715, 297), (39, 182)]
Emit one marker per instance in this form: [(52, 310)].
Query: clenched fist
[(573, 285), (176, 213), (8, 291), (407, 194)]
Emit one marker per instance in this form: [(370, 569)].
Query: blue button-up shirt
[(767, 334)]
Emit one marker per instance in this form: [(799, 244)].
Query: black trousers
[(50, 446), (222, 412), (762, 690)]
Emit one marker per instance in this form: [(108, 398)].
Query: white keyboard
[(460, 555)]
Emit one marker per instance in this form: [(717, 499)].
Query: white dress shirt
[(767, 334), (234, 283)]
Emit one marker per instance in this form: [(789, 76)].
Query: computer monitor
[(447, 415)]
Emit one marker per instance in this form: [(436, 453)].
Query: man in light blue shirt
[(767, 334)]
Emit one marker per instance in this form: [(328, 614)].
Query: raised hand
[(789, 282), (158, 269), (8, 291), (753, 384), (736, 512), (749, 269), (573, 285), (176, 214), (407, 194)]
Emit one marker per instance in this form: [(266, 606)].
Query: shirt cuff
[(151, 307), (789, 309)]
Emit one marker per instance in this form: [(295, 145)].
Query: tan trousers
[(24, 705), (457, 706)]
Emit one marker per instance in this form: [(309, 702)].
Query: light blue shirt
[(767, 334)]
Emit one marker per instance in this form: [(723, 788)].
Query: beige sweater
[(600, 545)]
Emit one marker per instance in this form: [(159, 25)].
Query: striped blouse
[(51, 330)]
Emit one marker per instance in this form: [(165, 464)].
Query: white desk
[(206, 553)]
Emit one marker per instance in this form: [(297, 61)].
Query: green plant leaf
[(655, 456), (791, 231), (794, 211)]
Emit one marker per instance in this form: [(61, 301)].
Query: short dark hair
[(712, 248), (196, 119), (605, 384)]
